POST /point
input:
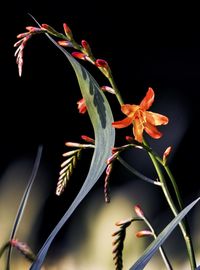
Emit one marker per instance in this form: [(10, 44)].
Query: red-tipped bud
[(24, 249), (124, 222), (85, 45), (50, 29), (67, 31), (33, 29), (144, 233), (65, 43), (79, 55), (101, 63), (22, 35), (108, 89), (87, 139), (45, 26), (166, 154), (138, 211), (87, 50), (130, 139), (82, 106)]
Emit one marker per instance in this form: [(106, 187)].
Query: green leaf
[(24, 201), (101, 118), (154, 246)]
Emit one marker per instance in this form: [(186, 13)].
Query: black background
[(145, 46)]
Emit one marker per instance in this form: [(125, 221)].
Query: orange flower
[(141, 118), (82, 106)]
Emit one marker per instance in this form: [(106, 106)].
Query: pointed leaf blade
[(101, 118), (154, 246)]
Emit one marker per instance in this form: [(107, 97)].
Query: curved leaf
[(24, 200), (101, 118), (154, 246)]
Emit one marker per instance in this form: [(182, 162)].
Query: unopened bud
[(144, 233), (130, 139), (87, 139), (82, 106), (79, 55), (65, 43), (138, 211), (67, 31), (102, 63), (124, 222), (166, 154), (50, 29), (108, 89)]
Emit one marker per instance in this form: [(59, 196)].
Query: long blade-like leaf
[(101, 117), (154, 246), (24, 201)]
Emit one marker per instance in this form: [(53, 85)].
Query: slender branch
[(136, 173)]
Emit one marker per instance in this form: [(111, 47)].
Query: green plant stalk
[(173, 181), (162, 252), (170, 175), (4, 247), (117, 92), (188, 236), (168, 197)]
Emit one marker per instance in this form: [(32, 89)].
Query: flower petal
[(138, 128), (82, 106), (156, 119), (123, 123), (147, 100), (152, 131), (129, 110)]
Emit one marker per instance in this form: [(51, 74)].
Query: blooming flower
[(82, 106), (141, 118)]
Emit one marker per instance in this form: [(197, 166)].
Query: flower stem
[(4, 247), (168, 197), (117, 92)]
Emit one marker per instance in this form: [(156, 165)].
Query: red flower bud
[(101, 63), (130, 139), (166, 153), (85, 45), (82, 106), (67, 29), (87, 139), (144, 233), (65, 43), (138, 211), (79, 55), (108, 89)]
